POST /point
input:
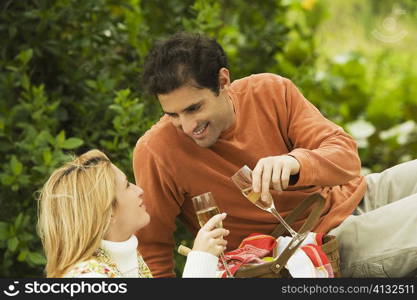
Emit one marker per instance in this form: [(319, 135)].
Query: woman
[(88, 216)]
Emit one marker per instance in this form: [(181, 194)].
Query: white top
[(199, 264)]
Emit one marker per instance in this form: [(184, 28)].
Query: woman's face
[(130, 213)]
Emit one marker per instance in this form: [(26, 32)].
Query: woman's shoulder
[(91, 268), (144, 271)]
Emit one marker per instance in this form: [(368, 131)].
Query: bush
[(69, 82)]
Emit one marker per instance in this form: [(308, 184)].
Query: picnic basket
[(276, 267)]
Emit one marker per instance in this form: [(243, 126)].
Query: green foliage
[(69, 82), (348, 92), (370, 90)]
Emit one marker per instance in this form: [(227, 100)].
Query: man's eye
[(194, 108)]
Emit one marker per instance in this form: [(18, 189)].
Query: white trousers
[(380, 238)]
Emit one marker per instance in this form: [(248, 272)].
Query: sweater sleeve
[(327, 154), (201, 265), (160, 197)]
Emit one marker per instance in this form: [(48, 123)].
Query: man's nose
[(186, 124)]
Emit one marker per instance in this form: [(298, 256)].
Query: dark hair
[(183, 58)]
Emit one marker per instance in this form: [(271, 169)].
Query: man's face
[(199, 112)]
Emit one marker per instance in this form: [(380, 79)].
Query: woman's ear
[(110, 228), (112, 219)]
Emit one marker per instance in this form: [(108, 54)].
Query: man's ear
[(224, 79)]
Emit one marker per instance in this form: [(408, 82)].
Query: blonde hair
[(74, 210)]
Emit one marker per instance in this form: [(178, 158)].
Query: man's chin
[(206, 142)]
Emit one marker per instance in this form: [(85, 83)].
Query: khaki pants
[(380, 238)]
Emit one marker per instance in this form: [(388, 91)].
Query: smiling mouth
[(200, 130)]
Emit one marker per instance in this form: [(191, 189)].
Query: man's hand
[(275, 170)]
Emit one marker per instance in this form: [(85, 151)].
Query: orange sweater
[(272, 118)]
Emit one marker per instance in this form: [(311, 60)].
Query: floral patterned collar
[(101, 263)]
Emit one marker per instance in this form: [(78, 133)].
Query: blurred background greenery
[(69, 81)]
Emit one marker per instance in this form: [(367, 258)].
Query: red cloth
[(250, 251), (256, 246), (318, 258), (319, 239)]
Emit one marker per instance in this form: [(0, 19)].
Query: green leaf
[(60, 138), (23, 180), (36, 258), (25, 82), (4, 230), (12, 244), (12, 31), (91, 83), (7, 179), (72, 143), (22, 255), (16, 166), (117, 108), (25, 56), (47, 156), (18, 221), (26, 237), (12, 68), (122, 96)]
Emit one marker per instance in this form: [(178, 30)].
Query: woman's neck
[(113, 236)]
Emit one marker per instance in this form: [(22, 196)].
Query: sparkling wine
[(206, 214), (256, 199)]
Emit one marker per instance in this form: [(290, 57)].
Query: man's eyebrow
[(185, 109)]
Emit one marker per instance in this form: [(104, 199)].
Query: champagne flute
[(243, 180), (205, 208)]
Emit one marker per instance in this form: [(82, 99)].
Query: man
[(213, 127)]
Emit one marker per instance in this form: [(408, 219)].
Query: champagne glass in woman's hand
[(205, 208)]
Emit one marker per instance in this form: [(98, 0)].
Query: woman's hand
[(210, 237)]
